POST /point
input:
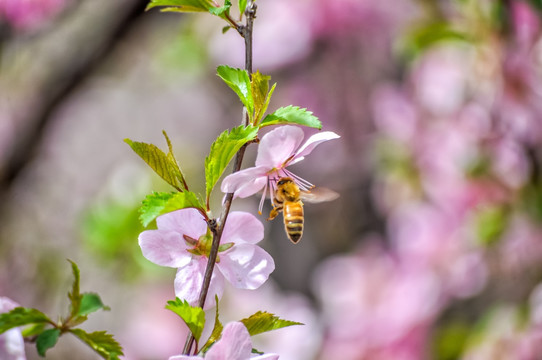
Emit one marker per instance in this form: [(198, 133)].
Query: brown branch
[(218, 227), (55, 63)]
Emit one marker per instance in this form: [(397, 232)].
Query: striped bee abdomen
[(293, 220)]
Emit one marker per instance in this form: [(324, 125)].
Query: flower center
[(202, 245)]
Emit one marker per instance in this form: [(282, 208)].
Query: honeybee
[(288, 199)]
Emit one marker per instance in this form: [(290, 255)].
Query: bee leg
[(274, 212)]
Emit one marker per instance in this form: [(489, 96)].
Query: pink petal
[(189, 280), (313, 141), (185, 221), (12, 345), (184, 357), (246, 266), (235, 344), (6, 304), (278, 145), (242, 227), (164, 247), (245, 182), (266, 357), (11, 341)]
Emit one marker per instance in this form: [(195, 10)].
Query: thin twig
[(218, 227)]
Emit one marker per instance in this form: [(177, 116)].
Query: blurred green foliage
[(110, 233)]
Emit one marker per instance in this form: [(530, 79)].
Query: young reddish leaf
[(74, 295), (221, 10), (260, 93), (262, 322), (101, 342), (193, 316), (292, 115), (47, 340)]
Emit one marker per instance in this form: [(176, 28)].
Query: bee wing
[(318, 195)]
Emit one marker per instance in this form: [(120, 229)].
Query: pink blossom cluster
[(29, 14), (455, 178)]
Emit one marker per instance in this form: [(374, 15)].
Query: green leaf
[(491, 222), (263, 321), (175, 165), (222, 151), (75, 296), (266, 104), (164, 165), (216, 333), (160, 203), (182, 5), (221, 10), (242, 6), (90, 303), (33, 330), (239, 81), (423, 37), (260, 94), (101, 342), (47, 340), (21, 316), (292, 115), (449, 341), (193, 316)]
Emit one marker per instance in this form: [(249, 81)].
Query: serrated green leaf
[(47, 340), (222, 151), (221, 10), (260, 89), (182, 5), (153, 205), (263, 321), (74, 295), (175, 165), (216, 333), (292, 115), (193, 316), (101, 342), (160, 203), (242, 6), (21, 316), (239, 81), (225, 29), (90, 303), (159, 162)]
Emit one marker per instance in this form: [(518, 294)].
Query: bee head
[(284, 180)]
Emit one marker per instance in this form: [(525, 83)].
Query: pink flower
[(183, 241), (278, 149), (235, 344), (29, 14), (11, 341)]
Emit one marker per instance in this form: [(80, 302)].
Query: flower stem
[(218, 227)]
